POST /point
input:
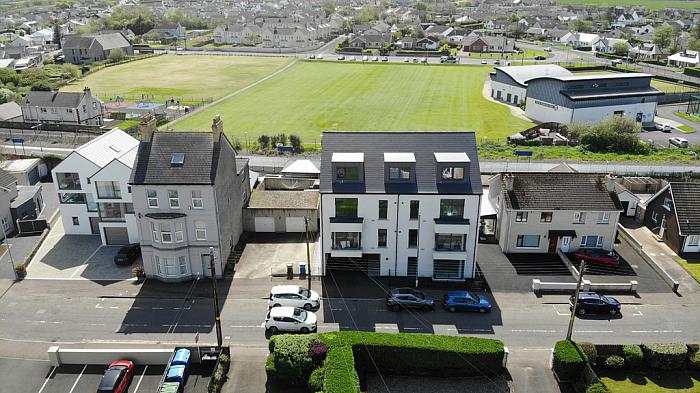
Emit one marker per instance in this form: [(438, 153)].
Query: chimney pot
[(217, 128), (147, 127), (509, 179), (610, 182)]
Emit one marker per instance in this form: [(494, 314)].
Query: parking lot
[(76, 378)]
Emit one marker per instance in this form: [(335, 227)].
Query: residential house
[(685, 58), (62, 107), (371, 41), (189, 191), (238, 34), (488, 44), (400, 203), (427, 43), (92, 186), (8, 192), (170, 30), (607, 45), (546, 212), (580, 40), (41, 37), (673, 215), (94, 47), (11, 111), (648, 51)]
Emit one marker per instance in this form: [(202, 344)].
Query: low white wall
[(539, 286), (637, 247), (59, 356)]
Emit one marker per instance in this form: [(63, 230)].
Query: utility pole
[(573, 308), (7, 243), (217, 315), (308, 254)]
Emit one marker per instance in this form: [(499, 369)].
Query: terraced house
[(400, 203)]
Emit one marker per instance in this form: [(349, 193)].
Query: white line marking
[(638, 312), (533, 331), (76, 381), (113, 306), (560, 314), (657, 331), (51, 374), (156, 308), (136, 389), (593, 331)]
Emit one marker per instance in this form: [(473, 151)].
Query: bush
[(633, 355), (665, 356), (291, 358), (340, 375), (316, 379), (318, 351), (224, 358), (694, 356), (615, 361), (568, 360), (597, 387), (612, 135), (591, 352)]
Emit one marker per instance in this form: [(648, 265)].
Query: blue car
[(465, 301)]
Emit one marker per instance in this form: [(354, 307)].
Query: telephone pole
[(217, 314), (573, 308), (308, 254)]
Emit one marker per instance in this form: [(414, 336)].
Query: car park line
[(48, 378), (78, 379), (136, 389)]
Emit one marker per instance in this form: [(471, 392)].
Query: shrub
[(270, 368), (633, 355), (568, 360), (591, 352), (665, 356), (291, 358), (615, 361), (597, 387), (317, 352), (224, 358), (316, 379), (694, 356), (340, 375)]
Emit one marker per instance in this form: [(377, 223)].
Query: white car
[(365, 58), (406, 60), (375, 58), (423, 59), (293, 296), (680, 142), (290, 319), (663, 127), (319, 56), (547, 49), (483, 61), (352, 58)]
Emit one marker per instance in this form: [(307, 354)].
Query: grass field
[(651, 4), (692, 266), (180, 76), (651, 381), (312, 97)]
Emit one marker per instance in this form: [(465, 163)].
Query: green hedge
[(568, 360), (291, 359), (597, 387), (692, 71), (591, 352), (665, 356), (694, 356), (633, 355), (340, 375)]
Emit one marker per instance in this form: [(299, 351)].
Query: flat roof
[(523, 74), (452, 157), (587, 77), (274, 199), (21, 165), (348, 157), (592, 94), (399, 157)]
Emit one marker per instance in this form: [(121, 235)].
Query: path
[(514, 110)]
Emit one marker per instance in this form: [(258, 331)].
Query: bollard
[(290, 271), (302, 270)]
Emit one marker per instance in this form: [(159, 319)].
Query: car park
[(365, 58), (593, 303), (483, 61), (664, 127), (465, 301), (404, 298), (597, 255), (293, 296), (117, 377), (341, 57), (290, 319), (679, 142), (127, 254)]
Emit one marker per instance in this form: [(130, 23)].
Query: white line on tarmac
[(136, 389), (560, 314), (76, 381), (51, 374), (593, 331), (657, 331), (532, 331)]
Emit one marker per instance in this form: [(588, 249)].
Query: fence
[(638, 248), (31, 226), (56, 127), (185, 100)]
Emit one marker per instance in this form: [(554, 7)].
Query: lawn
[(651, 381), (651, 4), (692, 266), (312, 97), (489, 150), (181, 77), (687, 116)]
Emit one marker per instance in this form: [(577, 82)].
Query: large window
[(166, 234), (448, 269), (72, 198), (173, 199), (197, 199), (453, 208), (383, 206), (579, 218), (399, 173), (414, 207), (528, 241), (68, 181), (521, 217), (449, 242), (412, 238), (346, 207), (346, 240), (111, 211), (200, 229), (347, 173), (381, 238), (152, 196), (546, 217), (179, 237), (453, 173), (183, 264), (591, 241), (108, 190), (171, 266)]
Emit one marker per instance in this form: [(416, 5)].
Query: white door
[(264, 224), (565, 241), (295, 224)]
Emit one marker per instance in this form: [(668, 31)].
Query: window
[(528, 241), (91, 204), (183, 264), (603, 217), (171, 266), (179, 237), (412, 267), (654, 216), (154, 232), (452, 208), (346, 207), (156, 262), (177, 159), (579, 217), (111, 211), (414, 206), (546, 217), (347, 173), (591, 241), (71, 198), (173, 199), (197, 199), (68, 181), (399, 173), (383, 206), (694, 240), (200, 230), (449, 242), (108, 189), (448, 269), (521, 217), (152, 196), (76, 221), (381, 237), (165, 233), (412, 238), (667, 202), (346, 240)]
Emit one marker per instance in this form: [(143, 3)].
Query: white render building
[(92, 185), (400, 203)]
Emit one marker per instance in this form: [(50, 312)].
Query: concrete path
[(530, 370), (247, 372)]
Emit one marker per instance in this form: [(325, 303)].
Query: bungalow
[(579, 40), (428, 43), (607, 45), (686, 58), (371, 41), (672, 214), (648, 51), (487, 44)]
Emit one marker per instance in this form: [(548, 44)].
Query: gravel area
[(403, 384)]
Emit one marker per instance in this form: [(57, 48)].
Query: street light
[(247, 145), (37, 128), (7, 242), (573, 307)]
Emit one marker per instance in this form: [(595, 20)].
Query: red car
[(117, 377), (597, 255)]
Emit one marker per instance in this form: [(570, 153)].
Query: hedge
[(633, 355), (291, 359), (568, 360), (692, 71), (597, 387), (694, 356), (665, 356), (615, 361), (591, 352)]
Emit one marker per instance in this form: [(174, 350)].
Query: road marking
[(136, 389), (51, 374), (657, 331), (76, 381), (593, 331), (113, 306), (532, 331), (156, 308), (560, 314), (638, 312)]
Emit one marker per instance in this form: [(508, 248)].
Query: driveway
[(268, 254)]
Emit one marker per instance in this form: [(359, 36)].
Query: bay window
[(346, 240), (449, 242)]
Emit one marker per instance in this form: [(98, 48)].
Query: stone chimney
[(610, 182), (147, 127), (509, 180), (217, 128)]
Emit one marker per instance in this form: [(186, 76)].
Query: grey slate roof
[(10, 110), (685, 197), (7, 179), (107, 41), (53, 99), (421, 144), (559, 191), (152, 164)]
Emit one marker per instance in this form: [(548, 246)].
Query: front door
[(565, 241), (206, 265), (553, 244), (625, 206)]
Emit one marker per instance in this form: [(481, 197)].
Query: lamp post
[(37, 128), (573, 307), (247, 145), (217, 314), (9, 252)]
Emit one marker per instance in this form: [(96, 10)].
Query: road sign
[(17, 140), (523, 153)]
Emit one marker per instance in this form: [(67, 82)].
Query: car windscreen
[(304, 292), (300, 314), (605, 299), (476, 297), (110, 378)]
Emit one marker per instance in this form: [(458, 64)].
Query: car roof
[(404, 290), (284, 289), (283, 311), (459, 294), (109, 378), (589, 295)]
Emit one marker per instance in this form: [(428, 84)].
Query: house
[(400, 203), (579, 40), (170, 30), (10, 111), (62, 107), (509, 83), (673, 215), (27, 171), (371, 41), (591, 98), (92, 186), (487, 44), (189, 191), (94, 47), (550, 211), (41, 37), (8, 192), (607, 45), (685, 58), (648, 51), (427, 43)]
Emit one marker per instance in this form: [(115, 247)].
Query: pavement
[(267, 254)]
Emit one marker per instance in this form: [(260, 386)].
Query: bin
[(290, 271), (302, 270)]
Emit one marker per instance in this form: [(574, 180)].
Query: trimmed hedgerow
[(568, 360), (665, 356), (316, 380), (591, 352), (291, 358), (633, 355), (615, 361), (694, 356), (340, 375)]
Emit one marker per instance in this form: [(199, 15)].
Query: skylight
[(177, 159), (115, 148)]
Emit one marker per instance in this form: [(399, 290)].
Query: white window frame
[(539, 241), (521, 216), (200, 228), (174, 202), (693, 240), (604, 218), (598, 243), (179, 234), (579, 217), (6, 223), (197, 201), (654, 216), (164, 233), (182, 263), (156, 262), (152, 198), (667, 202), (154, 232)]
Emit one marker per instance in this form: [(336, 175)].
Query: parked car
[(664, 127), (547, 49), (415, 60), (352, 58), (616, 62), (400, 298), (597, 255), (319, 56), (312, 56), (290, 319), (293, 296), (341, 57), (406, 60), (117, 378), (497, 62), (365, 58), (540, 58), (465, 301), (423, 59), (448, 59), (483, 61), (593, 303), (127, 254), (385, 59), (375, 58), (678, 141)]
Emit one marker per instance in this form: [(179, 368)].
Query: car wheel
[(482, 310), (307, 306), (273, 330), (276, 305), (304, 330), (581, 311), (451, 309)]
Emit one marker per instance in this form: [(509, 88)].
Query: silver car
[(402, 298), (678, 141)]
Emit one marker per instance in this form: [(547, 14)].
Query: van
[(616, 62)]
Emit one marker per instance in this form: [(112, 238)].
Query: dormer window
[(399, 173), (452, 167), (347, 173), (399, 166), (348, 167), (453, 173)]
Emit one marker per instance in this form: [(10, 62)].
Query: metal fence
[(31, 226)]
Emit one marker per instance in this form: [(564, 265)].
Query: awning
[(562, 232)]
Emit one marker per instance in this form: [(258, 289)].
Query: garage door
[(264, 224), (116, 236), (295, 224)]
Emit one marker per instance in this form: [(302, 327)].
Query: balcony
[(452, 224), (346, 244), (346, 224)]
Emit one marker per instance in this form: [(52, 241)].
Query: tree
[(663, 36), (264, 141), (616, 134), (620, 48), (295, 141), (581, 25), (116, 54), (282, 138), (367, 14), (57, 35), (420, 6), (6, 95), (328, 7)]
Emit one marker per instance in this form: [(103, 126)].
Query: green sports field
[(651, 4), (312, 97)]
